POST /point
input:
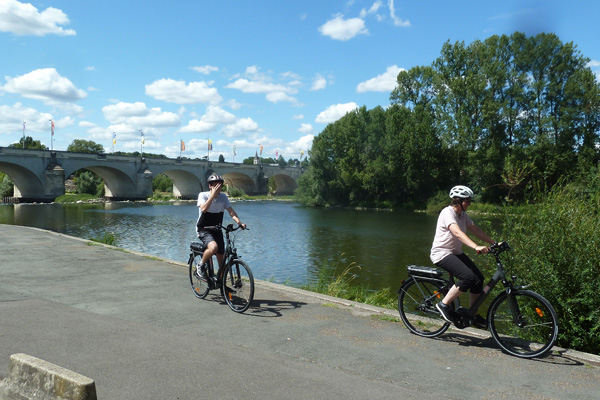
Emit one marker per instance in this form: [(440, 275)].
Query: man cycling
[(212, 205)]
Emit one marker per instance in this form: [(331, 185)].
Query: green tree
[(87, 182), (86, 146), (162, 183), (29, 144), (6, 185), (221, 158)]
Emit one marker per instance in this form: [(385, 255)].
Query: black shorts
[(212, 235), (465, 270)]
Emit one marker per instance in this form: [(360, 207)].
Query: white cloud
[(181, 93), (295, 149), (335, 112), (140, 116), (24, 19), (319, 83), (240, 127), (46, 85), (373, 10), (12, 117), (256, 82), (248, 86), (385, 82), (397, 21), (206, 69), (343, 29), (299, 116), (306, 128)]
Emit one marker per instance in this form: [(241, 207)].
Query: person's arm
[(235, 217), (477, 231), (463, 237), (214, 192)]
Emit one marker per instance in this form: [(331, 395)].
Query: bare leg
[(453, 293)]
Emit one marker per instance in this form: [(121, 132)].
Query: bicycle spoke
[(416, 305)]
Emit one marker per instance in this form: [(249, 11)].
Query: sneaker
[(446, 312), (479, 322), (200, 272)]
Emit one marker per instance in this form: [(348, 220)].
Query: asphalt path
[(130, 322)]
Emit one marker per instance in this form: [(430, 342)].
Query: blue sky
[(243, 73)]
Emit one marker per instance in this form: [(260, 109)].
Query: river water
[(286, 242)]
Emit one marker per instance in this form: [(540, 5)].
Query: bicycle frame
[(229, 254), (499, 275)]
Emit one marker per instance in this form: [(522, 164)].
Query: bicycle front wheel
[(238, 286), (199, 287), (523, 324), (416, 304)]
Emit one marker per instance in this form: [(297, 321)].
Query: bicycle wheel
[(238, 286), (199, 287), (416, 304), (531, 332)]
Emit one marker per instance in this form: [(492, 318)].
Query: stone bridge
[(39, 175)]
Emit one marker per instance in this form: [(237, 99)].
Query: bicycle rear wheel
[(238, 286), (199, 287), (416, 304), (531, 331)]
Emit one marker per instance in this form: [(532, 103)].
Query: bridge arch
[(282, 184), (186, 185), (241, 181), (27, 184)]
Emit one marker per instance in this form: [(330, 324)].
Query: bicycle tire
[(199, 287), (238, 286), (535, 335), (416, 305)]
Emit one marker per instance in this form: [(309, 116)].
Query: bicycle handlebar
[(498, 248), (228, 228)]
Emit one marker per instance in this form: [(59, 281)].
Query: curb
[(32, 378)]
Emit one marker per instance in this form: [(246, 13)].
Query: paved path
[(131, 323)]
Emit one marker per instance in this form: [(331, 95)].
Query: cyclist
[(212, 205), (446, 252)]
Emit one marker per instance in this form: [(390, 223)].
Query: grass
[(106, 238), (335, 284), (73, 198)]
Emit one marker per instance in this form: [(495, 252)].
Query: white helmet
[(462, 192)]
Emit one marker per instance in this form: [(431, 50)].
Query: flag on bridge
[(114, 138), (52, 127), (234, 153), (182, 145), (209, 144), (301, 153), (143, 141), (261, 150)]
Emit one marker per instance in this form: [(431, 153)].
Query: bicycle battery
[(427, 272), (197, 247)]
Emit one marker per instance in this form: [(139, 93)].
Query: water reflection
[(285, 241)]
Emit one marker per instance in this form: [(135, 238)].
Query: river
[(286, 243)]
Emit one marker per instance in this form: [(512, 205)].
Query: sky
[(243, 74)]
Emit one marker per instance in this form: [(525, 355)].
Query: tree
[(85, 146), (87, 182), (29, 144), (221, 158)]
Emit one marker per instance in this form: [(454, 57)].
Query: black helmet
[(215, 178)]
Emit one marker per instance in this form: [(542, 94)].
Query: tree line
[(506, 116)]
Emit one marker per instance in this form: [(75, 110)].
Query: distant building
[(256, 160)]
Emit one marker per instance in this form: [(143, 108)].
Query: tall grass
[(106, 238), (555, 251), (339, 284)]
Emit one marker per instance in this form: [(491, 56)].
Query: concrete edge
[(30, 377), (367, 308)]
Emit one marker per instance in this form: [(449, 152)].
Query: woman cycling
[(446, 252)]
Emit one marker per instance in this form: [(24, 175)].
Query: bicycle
[(522, 322), (234, 279)]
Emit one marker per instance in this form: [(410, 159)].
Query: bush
[(236, 192), (555, 252)]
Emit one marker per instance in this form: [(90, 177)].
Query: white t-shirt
[(444, 242), (214, 215)]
